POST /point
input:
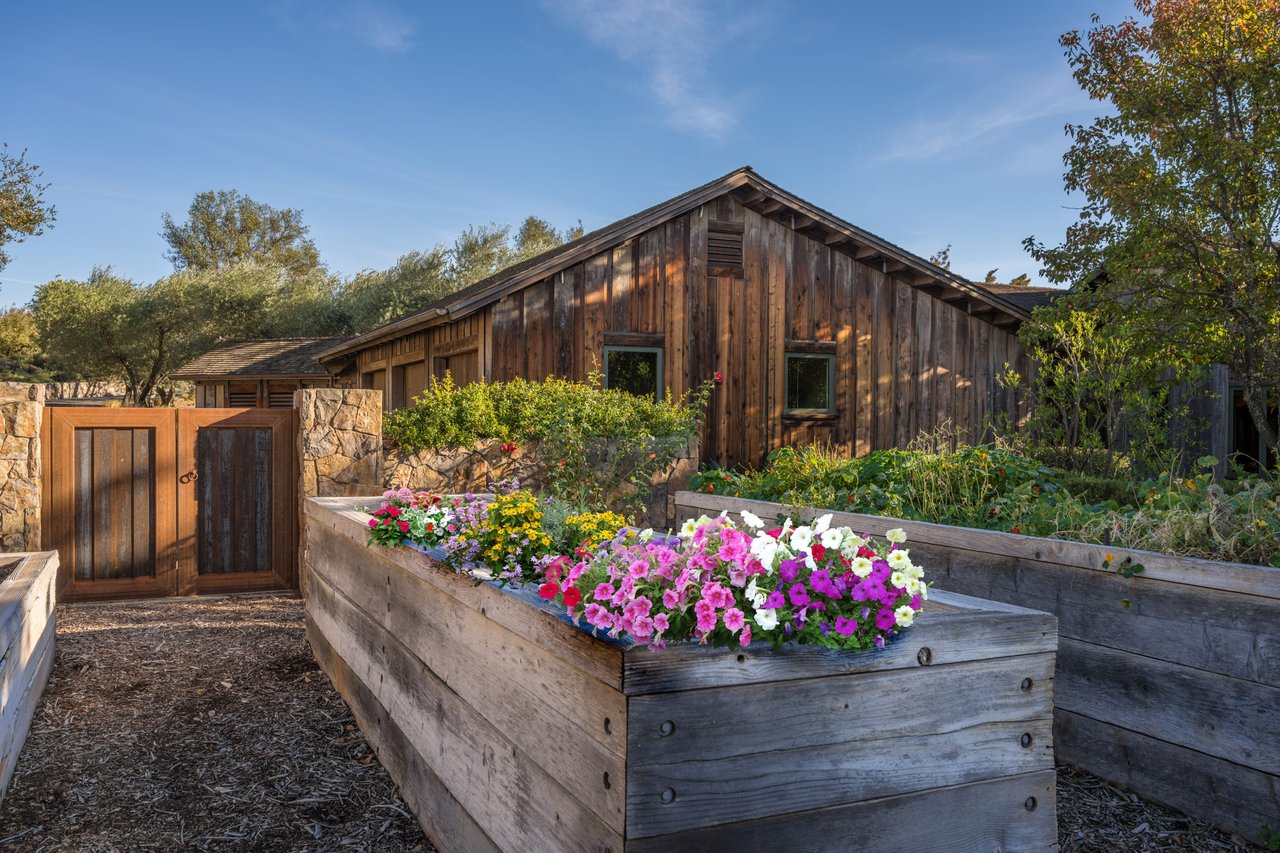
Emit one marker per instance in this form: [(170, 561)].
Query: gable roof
[(753, 192), (1026, 297), (253, 359)]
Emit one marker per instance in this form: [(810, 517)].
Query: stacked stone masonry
[(21, 415), (339, 441)]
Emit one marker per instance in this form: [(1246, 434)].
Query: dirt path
[(197, 724)]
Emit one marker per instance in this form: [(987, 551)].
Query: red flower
[(818, 551), (776, 532), (549, 590), (373, 522), (711, 488), (404, 527), (719, 377), (571, 596), (393, 511)]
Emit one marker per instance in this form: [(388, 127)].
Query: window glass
[(809, 383), (636, 370)]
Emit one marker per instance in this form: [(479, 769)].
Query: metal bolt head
[(666, 728), (1026, 740), (668, 795), (1030, 804), (1026, 684)]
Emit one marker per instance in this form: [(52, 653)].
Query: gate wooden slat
[(143, 509), (83, 488)]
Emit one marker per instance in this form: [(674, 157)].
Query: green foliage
[(1181, 194), (23, 210), (997, 488), (597, 446), (1099, 397), (225, 228)]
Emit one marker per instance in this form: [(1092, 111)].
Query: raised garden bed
[(27, 602), (1168, 681), (506, 727)]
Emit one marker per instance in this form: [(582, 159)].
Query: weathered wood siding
[(27, 605), (1167, 683), (907, 361), (507, 728)]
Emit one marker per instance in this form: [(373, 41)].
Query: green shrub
[(999, 489), (596, 446)]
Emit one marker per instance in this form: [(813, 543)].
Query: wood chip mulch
[(199, 725), (206, 725)]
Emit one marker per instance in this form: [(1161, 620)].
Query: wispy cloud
[(672, 42), (368, 22), (995, 114)]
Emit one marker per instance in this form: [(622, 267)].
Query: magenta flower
[(798, 595), (885, 619), (775, 600), (845, 627)]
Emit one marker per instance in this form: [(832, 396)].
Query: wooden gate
[(156, 502)]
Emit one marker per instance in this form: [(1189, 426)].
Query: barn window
[(810, 384), (724, 248), (463, 368), (636, 370)]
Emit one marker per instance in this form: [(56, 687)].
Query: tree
[(19, 337), (417, 279), (23, 210), (1180, 185), (226, 228), (942, 257), (1022, 280), (991, 276)]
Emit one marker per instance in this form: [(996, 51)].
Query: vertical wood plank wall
[(906, 362)]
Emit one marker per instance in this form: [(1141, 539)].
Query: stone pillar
[(21, 415), (339, 441)]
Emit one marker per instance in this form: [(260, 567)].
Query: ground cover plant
[(998, 488), (715, 582), (596, 446)]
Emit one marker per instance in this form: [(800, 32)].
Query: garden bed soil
[(197, 724)]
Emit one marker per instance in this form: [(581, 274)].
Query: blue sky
[(395, 125)]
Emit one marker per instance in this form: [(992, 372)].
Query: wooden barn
[(263, 374), (822, 331)]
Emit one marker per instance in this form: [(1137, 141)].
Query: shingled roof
[(749, 189), (1026, 297), (258, 359)]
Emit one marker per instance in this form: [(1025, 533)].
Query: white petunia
[(765, 549), (822, 523), (832, 538), (767, 619), (898, 579), (646, 534), (862, 566), (750, 519), (914, 572), (924, 591), (802, 538), (896, 535), (687, 529), (755, 595), (912, 586), (904, 616), (899, 560)]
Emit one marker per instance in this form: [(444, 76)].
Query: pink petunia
[(670, 599), (744, 639), (734, 619), (603, 592)]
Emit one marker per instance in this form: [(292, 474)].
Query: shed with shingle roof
[(263, 373)]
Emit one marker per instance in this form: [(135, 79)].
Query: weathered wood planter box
[(1168, 683), (27, 601), (508, 728)]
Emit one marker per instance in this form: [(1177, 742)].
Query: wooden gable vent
[(724, 247), (242, 396)]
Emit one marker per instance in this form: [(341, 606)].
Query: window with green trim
[(636, 370), (810, 384)]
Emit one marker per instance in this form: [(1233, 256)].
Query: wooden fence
[(1168, 683), (27, 601)]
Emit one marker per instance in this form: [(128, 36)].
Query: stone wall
[(21, 414), (339, 441)]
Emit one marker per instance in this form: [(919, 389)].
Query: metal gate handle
[(189, 477)]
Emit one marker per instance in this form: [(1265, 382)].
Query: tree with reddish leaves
[(1181, 185)]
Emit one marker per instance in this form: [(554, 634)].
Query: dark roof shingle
[(1024, 296), (280, 357)]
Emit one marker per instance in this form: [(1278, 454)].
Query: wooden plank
[(904, 349), (1192, 571), (777, 263), (926, 366), (800, 289), (1235, 634), (1235, 798), (864, 365), (595, 310), (528, 692), (883, 342), (84, 506), (441, 816), (963, 815), (754, 291), (726, 722), (621, 287), (602, 661), (1204, 711), (491, 778), (709, 793), (144, 509), (108, 525), (122, 500), (675, 311), (647, 308), (951, 637), (944, 389), (564, 287), (23, 684), (536, 332), (845, 330)]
